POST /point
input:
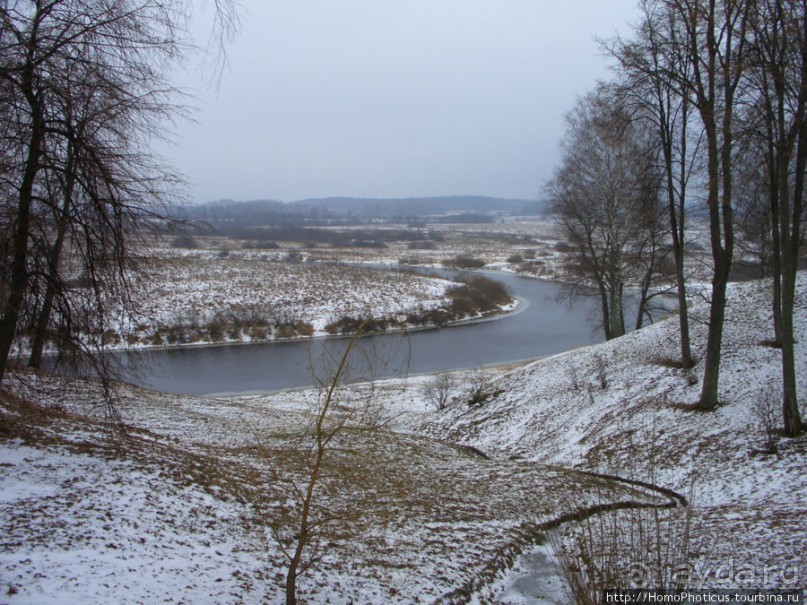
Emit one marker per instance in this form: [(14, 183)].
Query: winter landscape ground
[(197, 500)]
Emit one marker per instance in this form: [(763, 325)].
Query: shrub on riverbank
[(475, 296), (232, 326), (479, 294), (350, 325), (464, 261)]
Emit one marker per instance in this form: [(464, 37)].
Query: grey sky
[(383, 98)]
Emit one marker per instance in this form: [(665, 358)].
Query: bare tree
[(85, 91), (740, 66), (777, 124), (715, 37), (331, 418), (101, 190), (605, 197), (645, 65), (438, 390)]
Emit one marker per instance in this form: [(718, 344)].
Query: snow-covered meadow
[(204, 296), (219, 291)]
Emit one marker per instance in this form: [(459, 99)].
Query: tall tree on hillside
[(56, 57), (605, 197), (777, 125), (100, 187), (645, 65), (715, 36)]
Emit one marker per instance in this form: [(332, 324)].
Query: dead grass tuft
[(667, 362)]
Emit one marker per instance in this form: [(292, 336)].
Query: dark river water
[(545, 325)]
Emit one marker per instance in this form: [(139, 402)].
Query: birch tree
[(605, 198), (649, 67)]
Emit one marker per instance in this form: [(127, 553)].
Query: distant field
[(206, 295), (527, 244)]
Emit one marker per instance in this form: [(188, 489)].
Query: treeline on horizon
[(231, 217)]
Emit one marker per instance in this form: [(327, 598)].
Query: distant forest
[(228, 215)]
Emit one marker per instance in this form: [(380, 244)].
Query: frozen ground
[(194, 504)]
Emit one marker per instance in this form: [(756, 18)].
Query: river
[(543, 325)]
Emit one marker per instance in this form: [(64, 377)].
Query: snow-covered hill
[(623, 408)]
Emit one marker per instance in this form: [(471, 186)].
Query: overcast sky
[(393, 98)]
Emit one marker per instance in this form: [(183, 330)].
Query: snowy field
[(534, 238), (202, 296), (417, 505)]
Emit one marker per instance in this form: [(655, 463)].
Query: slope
[(624, 408)]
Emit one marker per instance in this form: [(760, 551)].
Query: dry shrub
[(439, 389), (480, 389), (464, 261), (295, 328), (633, 548), (765, 419)]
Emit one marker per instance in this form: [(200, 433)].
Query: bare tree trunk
[(19, 263), (711, 372), (681, 295), (677, 231), (722, 64), (722, 235), (785, 279), (776, 247), (53, 281), (790, 403), (717, 314), (677, 228), (605, 310), (644, 290), (790, 222), (721, 258), (43, 320), (791, 240), (616, 318), (291, 573)]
